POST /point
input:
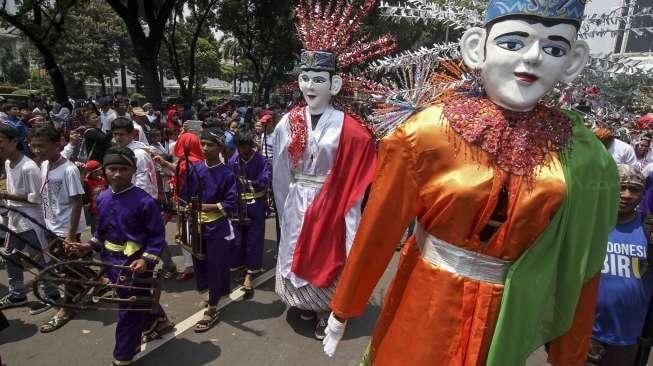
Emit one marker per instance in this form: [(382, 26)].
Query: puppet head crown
[(317, 61), (332, 28), (564, 10)]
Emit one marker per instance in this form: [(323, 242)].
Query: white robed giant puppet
[(513, 200), (323, 161)]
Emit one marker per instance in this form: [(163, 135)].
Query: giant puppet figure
[(513, 201), (323, 160)]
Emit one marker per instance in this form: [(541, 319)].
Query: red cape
[(320, 252)]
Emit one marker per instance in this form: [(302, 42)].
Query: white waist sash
[(465, 263), (309, 180)]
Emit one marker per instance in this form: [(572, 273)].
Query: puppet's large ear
[(336, 84), (472, 45), (578, 56)]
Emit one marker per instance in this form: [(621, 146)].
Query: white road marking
[(191, 320)]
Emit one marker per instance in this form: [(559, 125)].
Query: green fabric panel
[(544, 284)]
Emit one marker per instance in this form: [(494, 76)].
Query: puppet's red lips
[(526, 77)]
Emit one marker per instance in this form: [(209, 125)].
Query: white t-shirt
[(106, 118), (622, 153), (24, 180), (59, 185), (145, 176), (141, 135)]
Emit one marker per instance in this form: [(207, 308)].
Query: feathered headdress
[(331, 39)]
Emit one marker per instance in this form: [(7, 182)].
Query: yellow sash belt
[(251, 196), (210, 216), (128, 249)]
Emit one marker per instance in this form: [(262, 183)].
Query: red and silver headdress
[(329, 33)]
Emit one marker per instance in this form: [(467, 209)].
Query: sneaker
[(39, 307), (306, 315), (237, 268), (11, 301), (320, 329)]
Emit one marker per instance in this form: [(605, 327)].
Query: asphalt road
[(260, 331)]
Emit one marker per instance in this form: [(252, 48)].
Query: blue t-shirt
[(22, 133), (229, 140), (624, 291)]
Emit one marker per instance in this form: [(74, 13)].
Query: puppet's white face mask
[(318, 87), (520, 62)]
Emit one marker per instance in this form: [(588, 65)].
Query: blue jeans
[(26, 242)]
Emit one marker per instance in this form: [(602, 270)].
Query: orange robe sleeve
[(571, 348), (391, 207)]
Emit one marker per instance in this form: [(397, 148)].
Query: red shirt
[(93, 187)]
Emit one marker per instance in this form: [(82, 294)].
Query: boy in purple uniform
[(252, 169), (130, 232), (215, 185)]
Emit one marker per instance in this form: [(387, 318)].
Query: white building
[(628, 43), (171, 86)]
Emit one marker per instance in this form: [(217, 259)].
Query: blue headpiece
[(567, 10), (317, 61)]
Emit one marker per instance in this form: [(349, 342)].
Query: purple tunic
[(256, 170), (214, 184), (646, 205), (130, 215), (248, 248)]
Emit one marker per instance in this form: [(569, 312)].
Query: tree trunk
[(56, 76), (266, 94), (123, 78), (162, 80), (32, 32), (103, 85), (146, 47), (151, 82)]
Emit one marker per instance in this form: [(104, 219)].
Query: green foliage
[(410, 35), (191, 50), (41, 22), (7, 88), (40, 82), (92, 40), (207, 57), (24, 92), (266, 43)]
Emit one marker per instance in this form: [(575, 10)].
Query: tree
[(230, 50), (189, 42), (145, 21), (265, 33), (42, 23), (93, 41)]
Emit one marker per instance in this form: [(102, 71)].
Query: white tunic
[(296, 188), (622, 152)]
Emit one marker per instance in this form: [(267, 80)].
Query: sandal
[(160, 329), (185, 275), (249, 293), (55, 323), (211, 317)]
